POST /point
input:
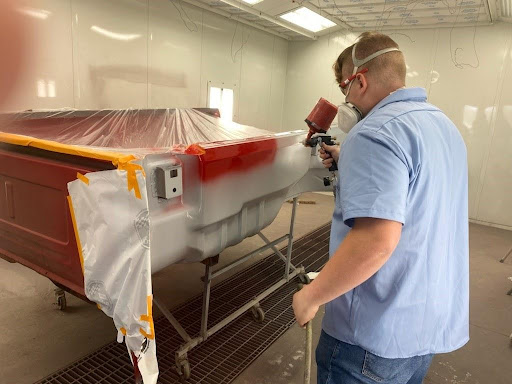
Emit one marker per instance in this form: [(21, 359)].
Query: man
[(396, 285)]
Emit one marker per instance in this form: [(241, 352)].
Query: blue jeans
[(342, 363)]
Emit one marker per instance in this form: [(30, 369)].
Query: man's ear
[(361, 82)]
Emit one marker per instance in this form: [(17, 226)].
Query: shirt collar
[(402, 94)]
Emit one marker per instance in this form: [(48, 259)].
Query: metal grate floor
[(227, 353)]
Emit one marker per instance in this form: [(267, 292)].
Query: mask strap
[(357, 63)]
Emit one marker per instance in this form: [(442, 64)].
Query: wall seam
[(281, 124), (201, 67), (240, 76), (267, 123), (75, 62), (433, 61), (72, 54), (147, 54)]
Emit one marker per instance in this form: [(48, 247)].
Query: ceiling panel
[(396, 13), (366, 14)]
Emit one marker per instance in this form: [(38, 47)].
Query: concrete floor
[(37, 339)]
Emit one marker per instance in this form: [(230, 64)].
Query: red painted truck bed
[(36, 229), (35, 224)]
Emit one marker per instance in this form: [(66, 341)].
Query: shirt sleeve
[(374, 178)]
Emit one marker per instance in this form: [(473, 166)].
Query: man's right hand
[(328, 153)]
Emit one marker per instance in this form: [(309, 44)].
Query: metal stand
[(290, 271), (504, 258)]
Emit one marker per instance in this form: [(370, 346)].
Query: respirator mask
[(348, 114)]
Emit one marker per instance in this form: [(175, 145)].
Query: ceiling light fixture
[(307, 19), (252, 2)]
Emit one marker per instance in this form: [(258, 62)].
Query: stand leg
[(290, 241)]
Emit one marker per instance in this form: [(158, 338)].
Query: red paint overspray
[(15, 48), (219, 159), (321, 117), (236, 158)]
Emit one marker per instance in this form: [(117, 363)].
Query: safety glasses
[(343, 85)]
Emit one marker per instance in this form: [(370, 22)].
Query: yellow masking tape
[(131, 170), (82, 178), (78, 243), (53, 146), (149, 319), (120, 160)]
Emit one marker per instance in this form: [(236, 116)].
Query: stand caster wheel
[(185, 371), (61, 303), (257, 314), (60, 299)]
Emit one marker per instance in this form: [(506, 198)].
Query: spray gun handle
[(334, 166)]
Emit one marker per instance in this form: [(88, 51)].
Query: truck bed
[(35, 224)]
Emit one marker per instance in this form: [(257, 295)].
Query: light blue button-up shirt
[(406, 162)]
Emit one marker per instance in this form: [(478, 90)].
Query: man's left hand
[(303, 308)]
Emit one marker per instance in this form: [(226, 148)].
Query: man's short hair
[(386, 68)]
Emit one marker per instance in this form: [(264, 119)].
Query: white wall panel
[(277, 85), (256, 78), (299, 83), (495, 202), (221, 58), (110, 42), (310, 76), (419, 48), (95, 54), (466, 81), (48, 78), (174, 55), (468, 78)]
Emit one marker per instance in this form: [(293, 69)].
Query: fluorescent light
[(36, 13), (115, 35), (506, 8), (252, 2), (306, 18)]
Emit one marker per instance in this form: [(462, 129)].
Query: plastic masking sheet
[(133, 131), (110, 208)]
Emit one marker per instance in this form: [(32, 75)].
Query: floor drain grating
[(227, 353)]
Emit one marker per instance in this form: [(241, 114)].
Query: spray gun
[(319, 121)]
